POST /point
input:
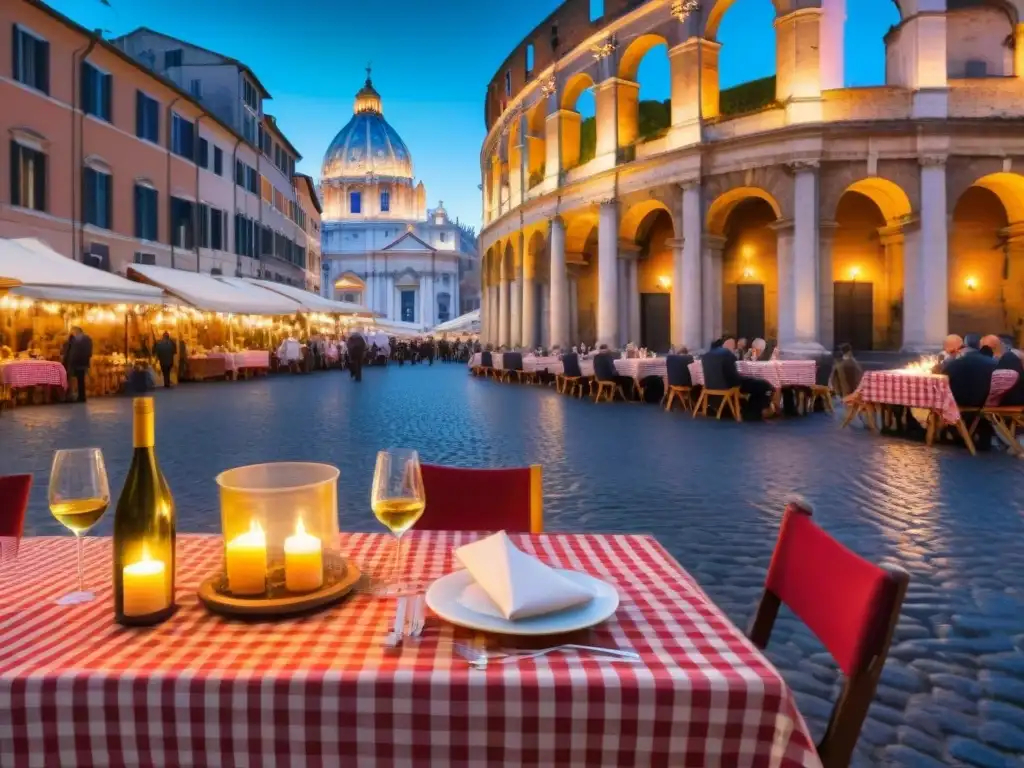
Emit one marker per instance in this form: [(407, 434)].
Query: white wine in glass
[(398, 501), (79, 495)]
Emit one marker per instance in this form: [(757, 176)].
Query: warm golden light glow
[(854, 273), (971, 283), (665, 281)]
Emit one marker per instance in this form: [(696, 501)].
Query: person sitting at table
[(992, 346), (970, 379), (1011, 361), (759, 391), (741, 348), (756, 350), (951, 347)]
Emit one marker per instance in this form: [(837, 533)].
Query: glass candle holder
[(280, 526)]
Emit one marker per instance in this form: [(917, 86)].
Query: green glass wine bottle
[(144, 532)]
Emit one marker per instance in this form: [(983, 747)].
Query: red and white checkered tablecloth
[(33, 373), (914, 390), (78, 690), (925, 390), (476, 359), (253, 358), (1003, 380), (778, 373), (498, 361)]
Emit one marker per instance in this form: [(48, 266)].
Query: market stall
[(49, 294)]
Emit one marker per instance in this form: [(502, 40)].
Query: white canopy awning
[(310, 302), (467, 323), (396, 328), (212, 294), (45, 274)]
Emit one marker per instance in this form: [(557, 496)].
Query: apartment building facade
[(112, 163), (310, 211)]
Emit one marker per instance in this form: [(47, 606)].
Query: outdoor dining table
[(778, 373), (78, 690), (535, 364), (919, 389), (20, 374), (209, 367), (476, 359)]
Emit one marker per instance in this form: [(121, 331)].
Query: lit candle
[(303, 561), (246, 558), (145, 586)]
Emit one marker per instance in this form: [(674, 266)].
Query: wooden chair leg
[(670, 396), (962, 429), (721, 407), (735, 404), (700, 404)]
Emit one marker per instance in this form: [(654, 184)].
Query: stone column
[(423, 318), (634, 301), (494, 293), (933, 268), (559, 294), (798, 78), (784, 232), (687, 281), (711, 283), (515, 316), (504, 312), (389, 288), (623, 277), (803, 279), (826, 285), (694, 74), (529, 309), (607, 274), (892, 239), (574, 262)]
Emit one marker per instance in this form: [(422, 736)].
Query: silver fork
[(419, 618), (394, 638), (478, 657)]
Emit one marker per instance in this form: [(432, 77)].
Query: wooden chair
[(680, 385), (1005, 419), (714, 386), (14, 493), (851, 605), (486, 365), (571, 379), (460, 499), (605, 376), (821, 389)]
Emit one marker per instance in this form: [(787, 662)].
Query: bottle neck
[(143, 431)]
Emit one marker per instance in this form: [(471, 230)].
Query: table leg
[(1006, 435), (852, 410)]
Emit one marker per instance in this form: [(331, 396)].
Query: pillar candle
[(246, 562), (145, 587), (303, 561)]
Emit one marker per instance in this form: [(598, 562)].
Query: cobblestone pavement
[(953, 689)]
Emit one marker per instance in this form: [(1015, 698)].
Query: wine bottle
[(144, 532)]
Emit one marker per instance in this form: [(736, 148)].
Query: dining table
[(76, 689), (778, 373), (20, 374)]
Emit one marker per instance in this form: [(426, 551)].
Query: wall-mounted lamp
[(665, 282), (748, 273), (854, 273), (971, 283)]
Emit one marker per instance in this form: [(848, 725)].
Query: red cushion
[(14, 491), (476, 499), (843, 598)]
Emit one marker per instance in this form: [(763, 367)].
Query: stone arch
[(986, 256), (773, 182), (724, 205), (636, 215), (890, 198), (717, 9), (508, 261), (573, 88), (629, 61), (837, 178), (534, 265), (536, 143)]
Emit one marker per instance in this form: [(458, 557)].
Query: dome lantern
[(368, 100)]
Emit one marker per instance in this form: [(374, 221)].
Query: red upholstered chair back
[(851, 605), (14, 490), (461, 499)]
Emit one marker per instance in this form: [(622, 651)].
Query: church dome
[(367, 144)]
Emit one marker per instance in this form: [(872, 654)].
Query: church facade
[(381, 245)]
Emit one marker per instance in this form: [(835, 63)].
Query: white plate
[(443, 599)]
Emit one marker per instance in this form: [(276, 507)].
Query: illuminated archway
[(986, 257), (578, 131), (349, 287), (720, 210)]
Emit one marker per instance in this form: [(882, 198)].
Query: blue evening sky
[(431, 64)]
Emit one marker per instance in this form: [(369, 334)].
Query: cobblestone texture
[(952, 692)]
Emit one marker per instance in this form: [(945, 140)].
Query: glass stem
[(396, 560), (81, 568)]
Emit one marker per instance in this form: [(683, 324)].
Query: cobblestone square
[(712, 492)]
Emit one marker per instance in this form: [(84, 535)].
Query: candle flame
[(145, 553), (300, 529)]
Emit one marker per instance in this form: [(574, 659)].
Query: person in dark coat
[(970, 379), (723, 357), (165, 350), (356, 352), (78, 358), (1015, 395)]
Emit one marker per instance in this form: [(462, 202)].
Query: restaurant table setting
[(537, 650), (778, 373), (19, 374)]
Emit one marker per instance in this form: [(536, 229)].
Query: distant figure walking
[(78, 358), (165, 350), (356, 353)]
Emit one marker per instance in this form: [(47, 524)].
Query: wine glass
[(78, 496), (398, 501)]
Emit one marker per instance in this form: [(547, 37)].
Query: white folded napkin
[(513, 584)]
